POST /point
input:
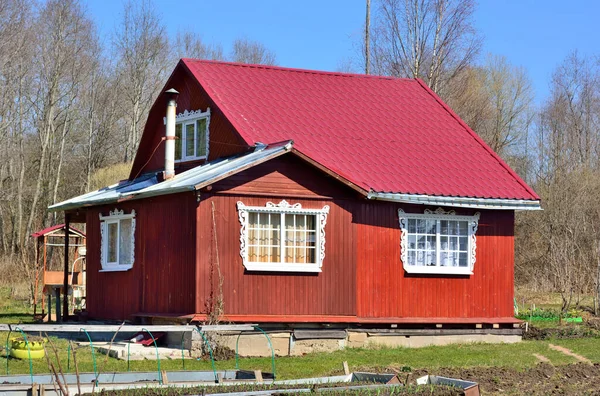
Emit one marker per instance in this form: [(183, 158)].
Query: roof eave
[(153, 192), (464, 202)]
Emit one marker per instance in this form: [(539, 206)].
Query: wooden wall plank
[(161, 280)]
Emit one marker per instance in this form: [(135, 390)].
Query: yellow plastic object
[(23, 354), (19, 348)]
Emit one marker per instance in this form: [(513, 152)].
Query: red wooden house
[(319, 197)]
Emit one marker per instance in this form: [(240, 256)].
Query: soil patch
[(535, 333), (543, 379)]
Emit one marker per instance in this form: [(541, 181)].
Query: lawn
[(13, 311), (518, 356), (481, 357)]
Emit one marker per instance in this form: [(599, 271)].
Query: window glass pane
[(289, 232), (464, 243), (178, 141), (412, 241), (463, 228), (462, 260), (453, 243), (275, 254), (444, 227), (411, 258), (289, 254), (421, 226), (264, 233), (412, 226), (444, 243), (311, 255), (253, 253), (189, 140), (113, 231), (125, 237), (201, 137)]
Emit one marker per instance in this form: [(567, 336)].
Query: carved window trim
[(191, 117), (283, 208), (439, 215), (115, 217)]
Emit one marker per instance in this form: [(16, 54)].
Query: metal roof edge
[(167, 189), (478, 203)]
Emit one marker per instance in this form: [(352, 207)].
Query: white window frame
[(115, 217), (439, 215), (190, 117), (283, 208)]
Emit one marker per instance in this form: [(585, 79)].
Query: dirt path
[(569, 352), (542, 358)]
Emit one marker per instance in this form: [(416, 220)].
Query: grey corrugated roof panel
[(148, 185)]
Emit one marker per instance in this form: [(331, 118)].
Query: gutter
[(478, 203)]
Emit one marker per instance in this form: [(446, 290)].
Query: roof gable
[(383, 134)]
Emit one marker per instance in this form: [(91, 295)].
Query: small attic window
[(191, 131)]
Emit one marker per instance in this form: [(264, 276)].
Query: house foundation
[(300, 342)]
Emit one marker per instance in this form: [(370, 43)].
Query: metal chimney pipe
[(170, 135)]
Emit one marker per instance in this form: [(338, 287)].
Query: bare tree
[(190, 45), (253, 52), (63, 40), (496, 100), (429, 39), (142, 51), (558, 248)]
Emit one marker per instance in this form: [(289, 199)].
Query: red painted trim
[(478, 139), (354, 319)]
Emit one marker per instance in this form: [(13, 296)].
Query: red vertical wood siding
[(331, 292), (362, 239), (362, 278), (223, 139), (385, 290), (161, 279)]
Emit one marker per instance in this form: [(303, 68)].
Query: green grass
[(14, 311), (519, 356)]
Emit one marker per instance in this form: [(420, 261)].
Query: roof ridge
[(479, 140), (297, 70)]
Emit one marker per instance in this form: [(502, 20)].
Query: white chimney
[(170, 136)]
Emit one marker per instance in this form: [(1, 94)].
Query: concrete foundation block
[(357, 339), (424, 341), (302, 347)]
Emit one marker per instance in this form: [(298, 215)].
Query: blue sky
[(314, 34)]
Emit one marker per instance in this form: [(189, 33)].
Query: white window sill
[(117, 269), (416, 269), (277, 267)]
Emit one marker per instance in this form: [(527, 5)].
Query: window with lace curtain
[(438, 242), (282, 237)]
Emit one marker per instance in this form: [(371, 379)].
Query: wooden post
[(66, 269), (368, 39), (57, 298), (49, 306)]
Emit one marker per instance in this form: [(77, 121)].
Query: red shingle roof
[(383, 134)]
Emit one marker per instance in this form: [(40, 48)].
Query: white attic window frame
[(442, 257), (116, 217), (191, 118), (283, 208)]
